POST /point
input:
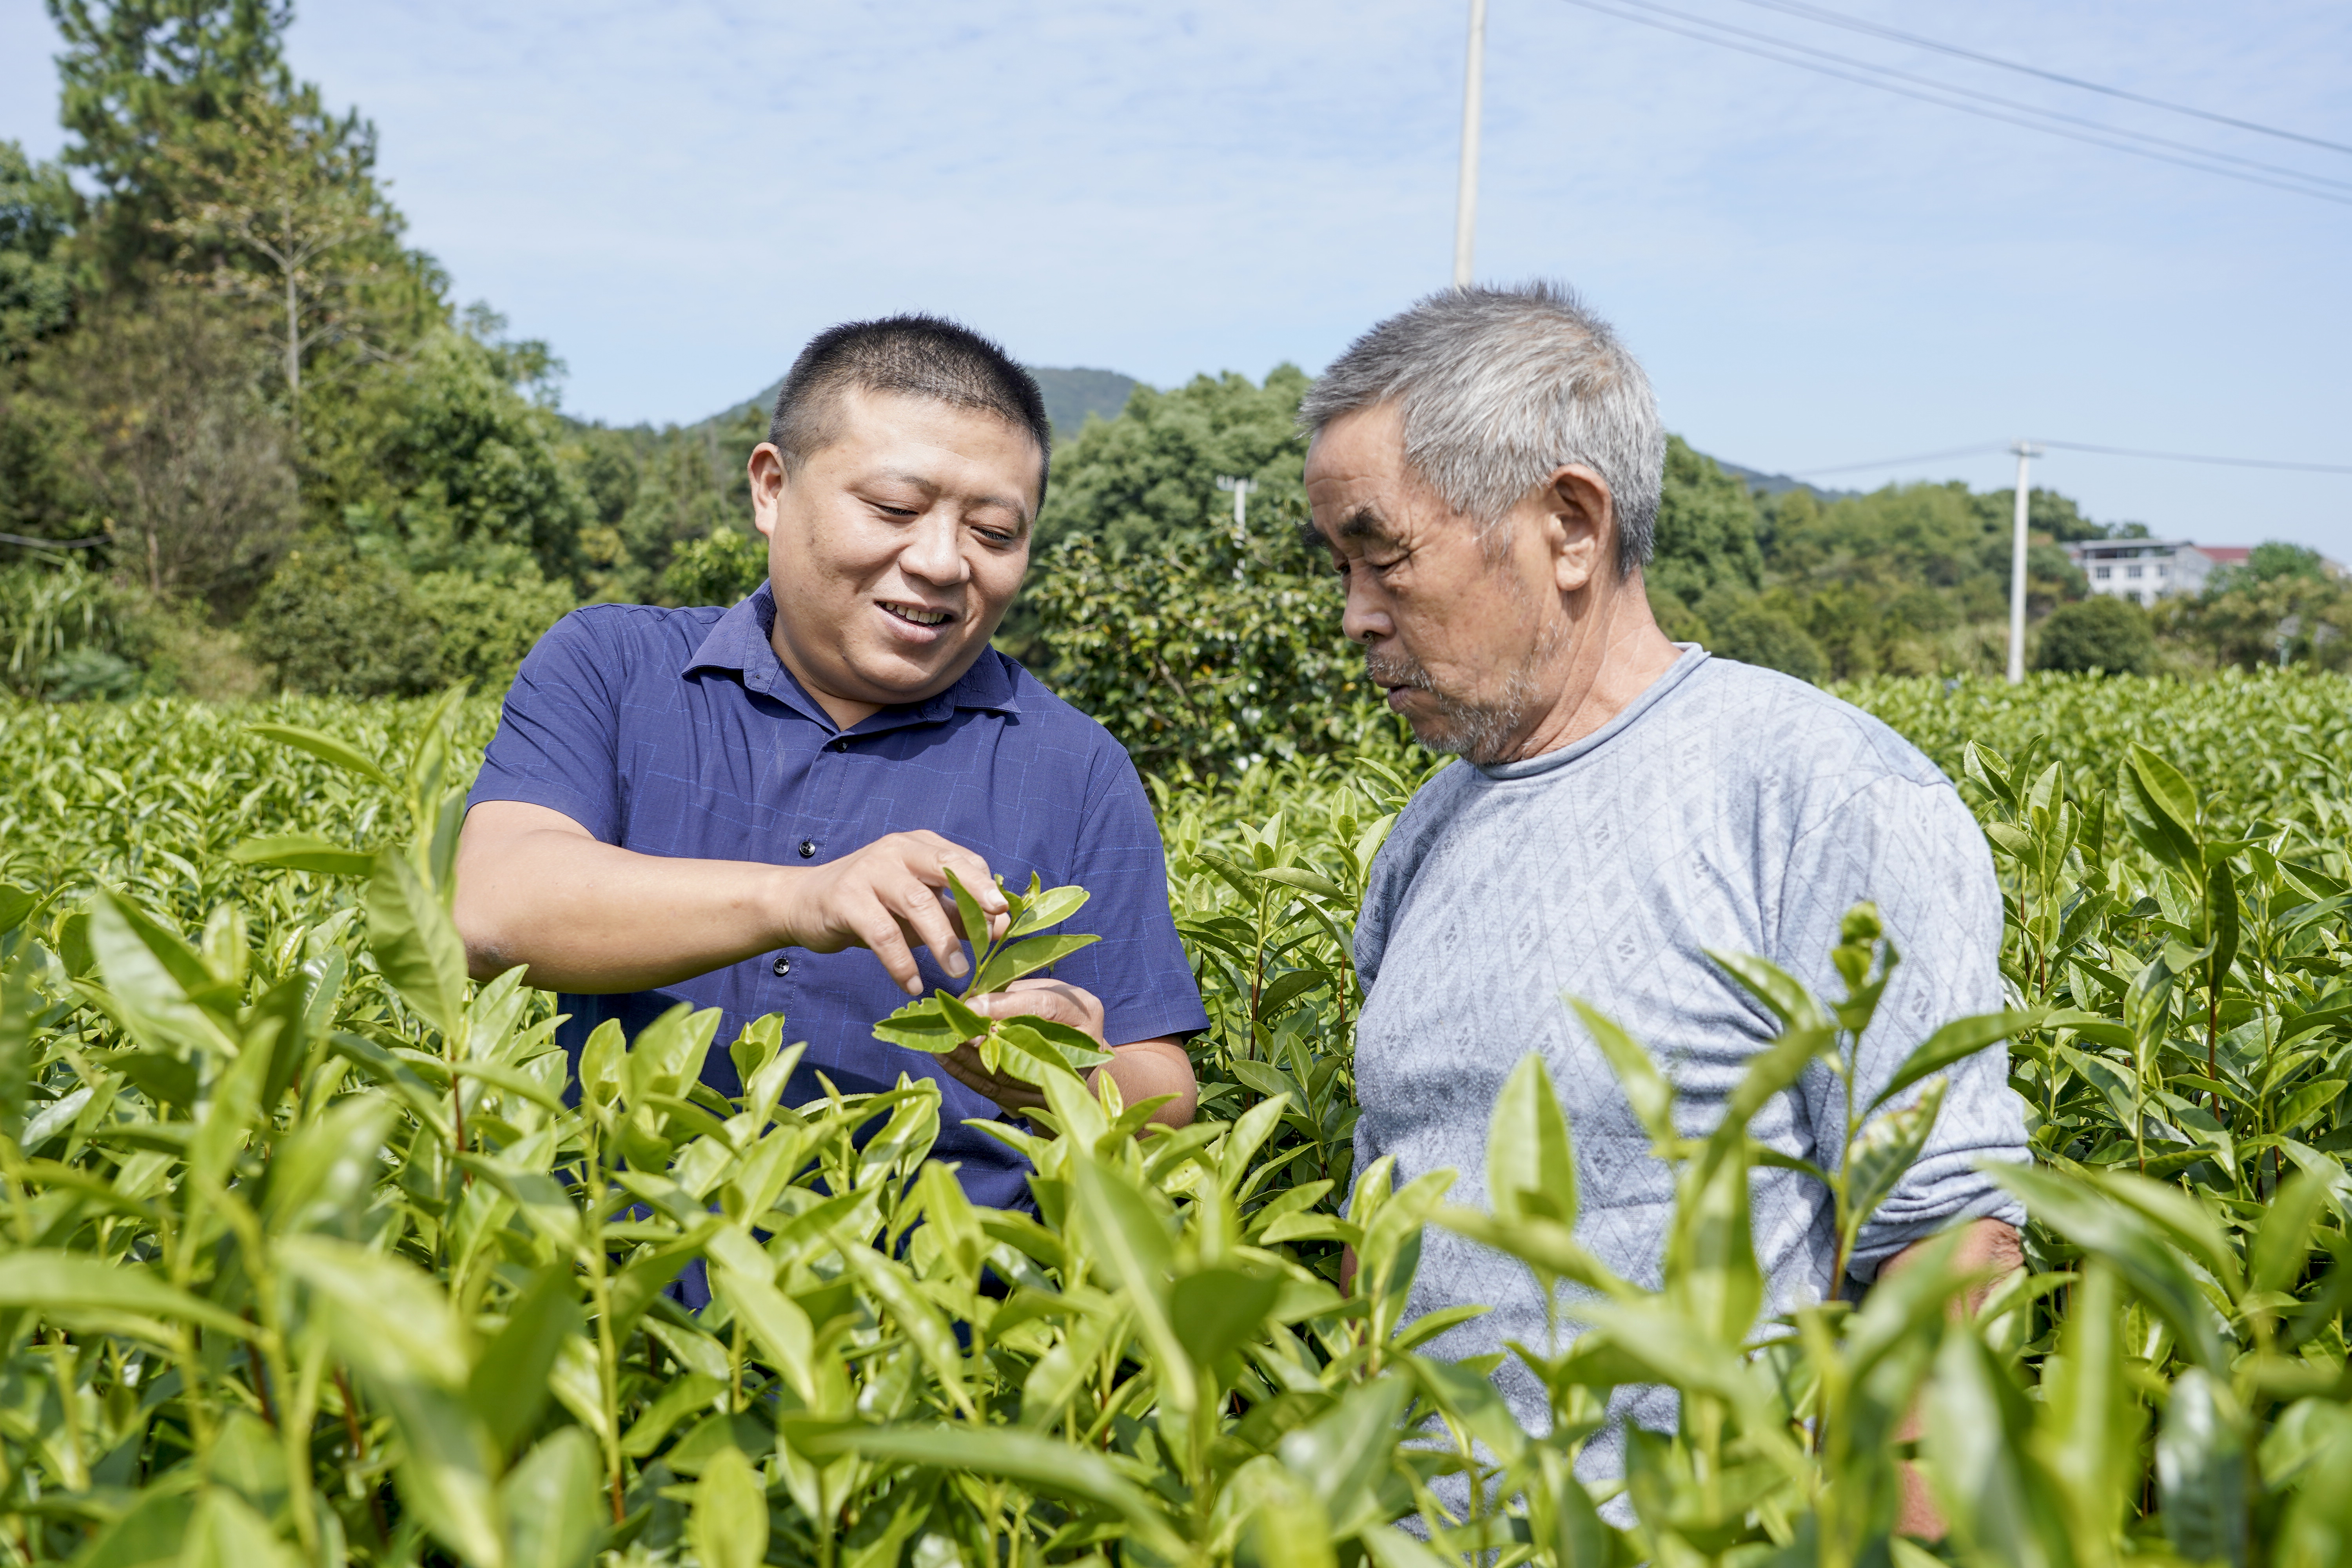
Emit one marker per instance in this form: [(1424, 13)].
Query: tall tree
[(37, 214), (157, 415), (135, 77), (277, 207)]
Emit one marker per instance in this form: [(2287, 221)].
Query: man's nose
[(1365, 619), (935, 553)]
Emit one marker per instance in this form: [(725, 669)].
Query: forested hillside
[(251, 441)]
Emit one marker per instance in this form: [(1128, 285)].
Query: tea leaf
[(48, 1280), (1960, 1038), (2202, 1466), (328, 749), (1010, 963), (1049, 907), (414, 943), (304, 852), (1530, 1166), (508, 1385), (551, 1504), (730, 1526), (1215, 1310)]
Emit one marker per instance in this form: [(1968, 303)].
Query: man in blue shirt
[(756, 808)]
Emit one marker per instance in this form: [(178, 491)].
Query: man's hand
[(535, 888), (1989, 1247), (1142, 1070), (892, 897)]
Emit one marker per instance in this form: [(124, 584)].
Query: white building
[(2146, 570)]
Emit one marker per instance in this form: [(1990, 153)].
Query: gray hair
[(1498, 388)]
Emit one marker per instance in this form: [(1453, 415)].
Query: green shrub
[(49, 611), (719, 568), (334, 620), (90, 674), (1754, 634), (2098, 635), (485, 626), (1212, 653)]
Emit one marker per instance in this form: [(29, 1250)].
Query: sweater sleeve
[(1912, 849)]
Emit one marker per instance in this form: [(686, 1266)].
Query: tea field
[(313, 1252)]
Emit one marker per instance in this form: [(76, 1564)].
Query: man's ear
[(1583, 526), (768, 477)]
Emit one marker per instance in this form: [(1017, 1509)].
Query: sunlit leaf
[(415, 941), (326, 748), (729, 1526)]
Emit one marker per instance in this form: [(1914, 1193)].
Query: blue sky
[(1815, 273)]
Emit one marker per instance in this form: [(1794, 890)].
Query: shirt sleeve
[(1138, 970), (1913, 850), (558, 740)]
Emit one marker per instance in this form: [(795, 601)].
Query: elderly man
[(1486, 470), (715, 806)]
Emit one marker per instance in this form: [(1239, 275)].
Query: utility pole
[(1465, 206), (2026, 452), (1241, 489)]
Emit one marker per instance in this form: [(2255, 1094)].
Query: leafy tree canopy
[(2275, 559), (1152, 474), (136, 76), (1706, 529), (2101, 634), (37, 215)]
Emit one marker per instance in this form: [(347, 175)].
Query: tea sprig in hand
[(1022, 1047)]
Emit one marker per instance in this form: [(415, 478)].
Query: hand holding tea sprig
[(1054, 1001), (1008, 1028)]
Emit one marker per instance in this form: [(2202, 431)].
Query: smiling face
[(1472, 650), (894, 549)]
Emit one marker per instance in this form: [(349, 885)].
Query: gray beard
[(1480, 733)]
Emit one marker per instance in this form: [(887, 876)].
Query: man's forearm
[(1986, 1246), (1989, 1248), (1149, 1069), (591, 917)]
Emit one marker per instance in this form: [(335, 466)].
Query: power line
[(1984, 447), (1856, 24), (2194, 457), (1968, 102), (1897, 462)]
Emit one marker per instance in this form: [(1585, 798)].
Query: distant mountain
[(1777, 484), (1072, 394)]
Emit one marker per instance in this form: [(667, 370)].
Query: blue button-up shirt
[(680, 732)]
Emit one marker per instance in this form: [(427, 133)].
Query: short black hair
[(912, 355)]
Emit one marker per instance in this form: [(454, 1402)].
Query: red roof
[(2227, 554)]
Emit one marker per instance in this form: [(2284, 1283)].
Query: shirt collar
[(741, 641)]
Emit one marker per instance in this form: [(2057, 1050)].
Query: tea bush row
[(315, 1252)]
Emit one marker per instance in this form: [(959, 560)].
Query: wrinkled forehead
[(1360, 490)]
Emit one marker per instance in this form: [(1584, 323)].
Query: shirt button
[(782, 966), (808, 848), (841, 744)]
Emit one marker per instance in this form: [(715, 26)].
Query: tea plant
[(312, 1251)]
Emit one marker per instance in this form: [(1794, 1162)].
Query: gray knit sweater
[(1728, 807)]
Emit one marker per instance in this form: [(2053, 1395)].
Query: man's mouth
[(1394, 673), (917, 614)]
